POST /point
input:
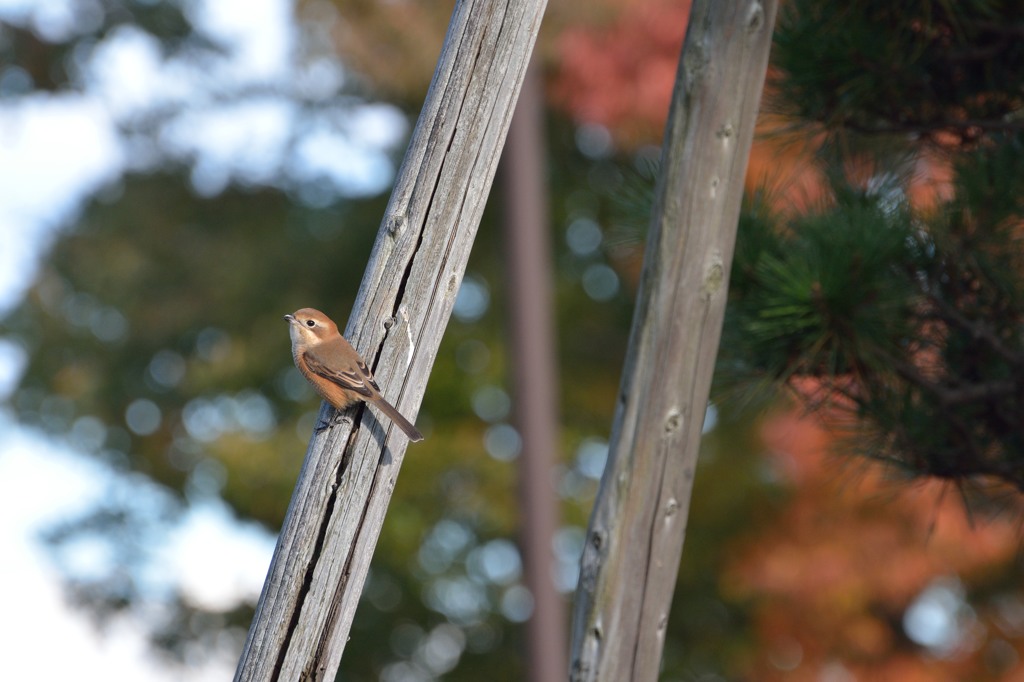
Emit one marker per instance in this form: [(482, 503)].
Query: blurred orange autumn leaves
[(830, 583), (620, 75)]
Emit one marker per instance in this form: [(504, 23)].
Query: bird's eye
[(310, 323)]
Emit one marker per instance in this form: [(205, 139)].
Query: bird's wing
[(356, 379)]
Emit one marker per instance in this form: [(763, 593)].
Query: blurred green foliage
[(908, 311)]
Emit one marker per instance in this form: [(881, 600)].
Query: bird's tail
[(387, 408)]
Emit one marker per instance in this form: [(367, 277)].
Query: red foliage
[(621, 75), (830, 583)]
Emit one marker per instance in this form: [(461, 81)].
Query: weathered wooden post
[(336, 512)]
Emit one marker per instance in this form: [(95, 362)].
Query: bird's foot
[(337, 417)]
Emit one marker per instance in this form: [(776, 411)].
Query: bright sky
[(214, 558), (55, 151)]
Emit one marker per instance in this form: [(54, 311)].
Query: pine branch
[(978, 330)]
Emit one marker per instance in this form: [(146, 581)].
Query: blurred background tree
[(876, 278), (881, 289)]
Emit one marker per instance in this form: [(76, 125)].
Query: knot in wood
[(695, 61), (755, 17), (622, 480), (673, 421), (671, 507), (597, 540), (714, 275), (395, 224), (389, 322)]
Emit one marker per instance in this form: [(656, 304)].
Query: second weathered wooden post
[(635, 540)]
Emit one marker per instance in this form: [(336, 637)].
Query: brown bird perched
[(334, 368)]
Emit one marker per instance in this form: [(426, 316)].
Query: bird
[(334, 369)]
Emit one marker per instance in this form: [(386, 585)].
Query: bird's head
[(309, 326)]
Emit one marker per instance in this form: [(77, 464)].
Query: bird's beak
[(290, 319)]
